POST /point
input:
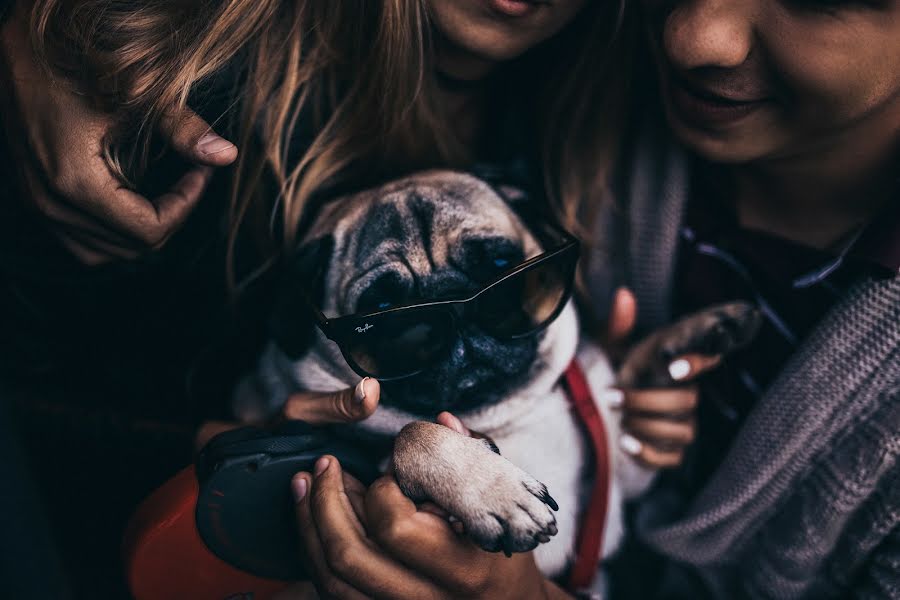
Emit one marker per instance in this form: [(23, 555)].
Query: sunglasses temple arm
[(321, 319)]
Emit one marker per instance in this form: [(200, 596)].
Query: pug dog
[(443, 236)]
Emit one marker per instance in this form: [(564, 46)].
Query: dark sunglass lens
[(525, 302), (399, 344)]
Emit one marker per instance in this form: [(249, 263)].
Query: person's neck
[(462, 81), (821, 197)]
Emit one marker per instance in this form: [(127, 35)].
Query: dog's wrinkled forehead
[(416, 227)]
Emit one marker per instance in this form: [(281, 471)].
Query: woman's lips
[(514, 8), (706, 109)]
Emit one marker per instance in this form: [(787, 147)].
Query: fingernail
[(211, 143), (359, 394), (321, 465), (298, 488), (630, 444), (679, 369), (613, 398)]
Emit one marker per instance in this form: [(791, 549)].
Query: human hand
[(361, 543), (316, 408), (659, 423), (65, 176)]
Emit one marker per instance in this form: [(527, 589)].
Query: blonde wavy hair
[(357, 75)]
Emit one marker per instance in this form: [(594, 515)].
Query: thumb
[(345, 406), (193, 138), (622, 317), (451, 421)]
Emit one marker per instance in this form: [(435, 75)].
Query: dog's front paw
[(512, 514), (501, 506), (718, 330), (715, 331)]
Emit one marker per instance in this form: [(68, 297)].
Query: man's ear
[(292, 324)]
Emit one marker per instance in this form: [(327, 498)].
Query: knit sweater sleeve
[(881, 578)]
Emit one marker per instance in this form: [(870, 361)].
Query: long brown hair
[(355, 76)]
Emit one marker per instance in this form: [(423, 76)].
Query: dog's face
[(429, 236)]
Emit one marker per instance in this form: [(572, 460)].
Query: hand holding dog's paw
[(656, 380), (401, 552), (501, 507), (687, 348)]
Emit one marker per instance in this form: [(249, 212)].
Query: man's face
[(747, 80)]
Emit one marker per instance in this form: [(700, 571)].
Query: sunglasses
[(404, 341)]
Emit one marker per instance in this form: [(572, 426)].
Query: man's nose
[(709, 33)]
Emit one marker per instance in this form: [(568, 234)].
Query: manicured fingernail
[(630, 444), (211, 143), (298, 488), (613, 398), (359, 394), (679, 369), (321, 465)]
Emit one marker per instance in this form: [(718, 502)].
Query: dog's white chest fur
[(546, 440)]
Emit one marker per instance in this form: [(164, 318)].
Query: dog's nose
[(478, 371), (477, 348)]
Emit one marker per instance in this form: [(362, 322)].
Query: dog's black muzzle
[(479, 370)]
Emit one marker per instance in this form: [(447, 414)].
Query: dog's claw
[(506, 539), (548, 499)]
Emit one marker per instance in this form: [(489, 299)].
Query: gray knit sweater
[(806, 504)]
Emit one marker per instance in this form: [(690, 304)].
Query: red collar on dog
[(593, 519)]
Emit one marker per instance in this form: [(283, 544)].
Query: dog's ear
[(292, 324)]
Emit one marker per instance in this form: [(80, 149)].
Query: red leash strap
[(593, 520)]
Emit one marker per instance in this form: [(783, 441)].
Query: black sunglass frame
[(340, 329)]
